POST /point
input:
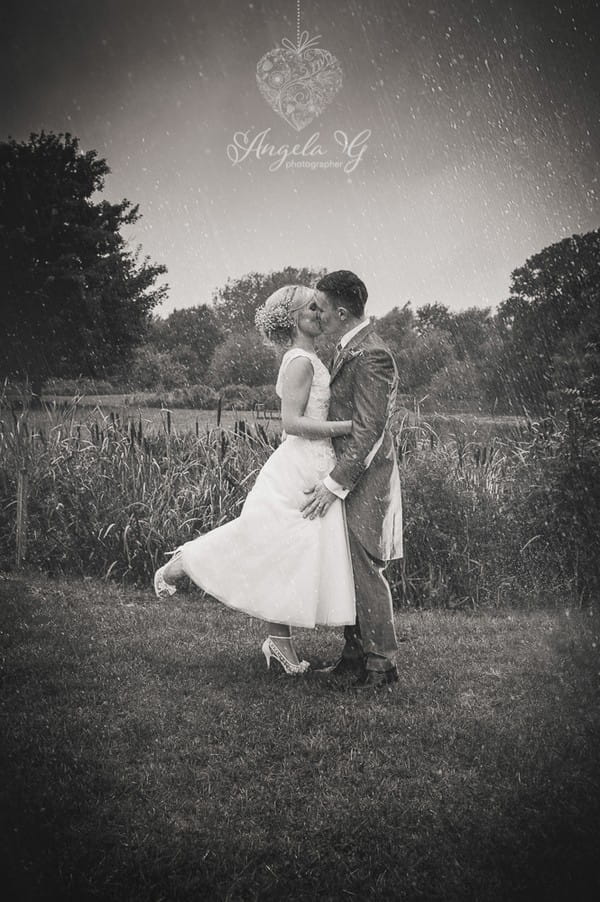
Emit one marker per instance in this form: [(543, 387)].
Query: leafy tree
[(191, 337), (397, 328), (243, 359), (458, 386), (449, 357), (235, 304), (150, 369), (76, 298), (419, 361), (550, 311), (496, 375), (471, 332), (433, 317)]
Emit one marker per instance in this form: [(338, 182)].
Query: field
[(462, 426), (148, 755), (94, 409)]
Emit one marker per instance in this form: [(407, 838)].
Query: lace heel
[(271, 650), (162, 588)]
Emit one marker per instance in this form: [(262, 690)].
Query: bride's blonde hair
[(277, 317)]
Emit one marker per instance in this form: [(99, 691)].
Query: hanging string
[(303, 40)]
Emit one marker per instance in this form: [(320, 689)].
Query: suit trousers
[(373, 637)]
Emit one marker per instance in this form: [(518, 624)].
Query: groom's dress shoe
[(377, 679), (343, 667)]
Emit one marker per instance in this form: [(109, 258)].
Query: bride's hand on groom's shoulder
[(318, 501)]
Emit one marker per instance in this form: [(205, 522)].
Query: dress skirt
[(272, 563)]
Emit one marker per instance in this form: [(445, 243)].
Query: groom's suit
[(363, 383)]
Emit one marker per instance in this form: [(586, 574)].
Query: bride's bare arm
[(297, 381)]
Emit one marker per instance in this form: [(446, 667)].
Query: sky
[(475, 127)]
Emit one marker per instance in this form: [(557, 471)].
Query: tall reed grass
[(106, 500), (514, 520)]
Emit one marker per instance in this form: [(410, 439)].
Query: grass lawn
[(147, 754)]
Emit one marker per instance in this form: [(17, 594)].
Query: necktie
[(336, 354)]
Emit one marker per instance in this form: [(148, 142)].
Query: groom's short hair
[(345, 290)]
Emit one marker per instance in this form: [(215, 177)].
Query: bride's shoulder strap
[(290, 355), (293, 353)]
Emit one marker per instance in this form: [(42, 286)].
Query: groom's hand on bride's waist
[(318, 501)]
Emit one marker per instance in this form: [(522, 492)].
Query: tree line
[(78, 301)]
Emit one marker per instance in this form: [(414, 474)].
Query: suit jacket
[(363, 383)]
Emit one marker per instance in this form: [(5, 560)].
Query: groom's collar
[(348, 343), (348, 336)]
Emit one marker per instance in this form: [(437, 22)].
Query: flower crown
[(274, 318)]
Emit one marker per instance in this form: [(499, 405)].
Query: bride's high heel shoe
[(270, 649), (162, 588)]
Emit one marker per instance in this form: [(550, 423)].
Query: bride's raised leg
[(167, 575)]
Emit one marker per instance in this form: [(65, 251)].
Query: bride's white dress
[(270, 562)]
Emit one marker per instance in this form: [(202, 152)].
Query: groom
[(363, 388)]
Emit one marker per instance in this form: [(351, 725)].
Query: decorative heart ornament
[(298, 81)]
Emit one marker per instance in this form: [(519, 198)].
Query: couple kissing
[(325, 514)]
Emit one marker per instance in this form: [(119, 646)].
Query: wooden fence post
[(21, 517)]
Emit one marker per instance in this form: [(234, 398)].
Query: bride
[(271, 562)]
